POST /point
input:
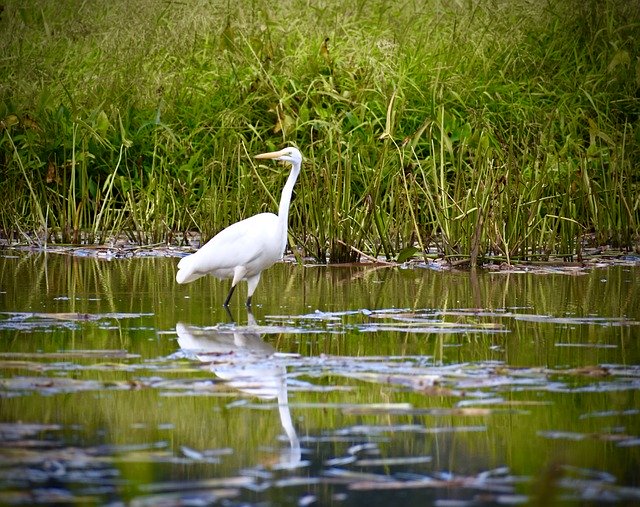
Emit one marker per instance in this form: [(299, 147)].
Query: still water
[(353, 385)]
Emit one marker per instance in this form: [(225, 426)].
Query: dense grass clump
[(478, 130)]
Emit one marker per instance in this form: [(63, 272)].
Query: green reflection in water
[(534, 373)]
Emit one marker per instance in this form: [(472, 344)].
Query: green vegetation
[(490, 129)]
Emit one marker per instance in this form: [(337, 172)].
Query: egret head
[(290, 154)]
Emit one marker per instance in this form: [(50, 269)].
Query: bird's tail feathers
[(185, 277), (185, 272)]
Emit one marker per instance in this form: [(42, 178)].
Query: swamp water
[(354, 385)]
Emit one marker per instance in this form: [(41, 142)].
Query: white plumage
[(245, 249)]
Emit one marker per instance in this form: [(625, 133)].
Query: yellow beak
[(271, 155)]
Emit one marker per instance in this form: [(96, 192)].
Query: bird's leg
[(238, 274), (226, 301), (229, 314), (252, 282)]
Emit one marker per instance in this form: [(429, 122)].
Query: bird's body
[(245, 249), (237, 253)]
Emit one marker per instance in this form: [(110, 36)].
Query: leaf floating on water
[(632, 442), (466, 412), (66, 316), (388, 320), (56, 385), (15, 431), (588, 345), (405, 428), (73, 353), (587, 473), (591, 371), (340, 461), (119, 449), (21, 365), (30, 321), (415, 382), (86, 316), (572, 435), (601, 321), (22, 316), (404, 460), (307, 500), (489, 483), (378, 408), (562, 435), (426, 482), (222, 482), (483, 401), (547, 319), (367, 447), (611, 413), (295, 482), (153, 457), (353, 475), (190, 497), (191, 453)]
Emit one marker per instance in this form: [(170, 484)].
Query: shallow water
[(346, 386)]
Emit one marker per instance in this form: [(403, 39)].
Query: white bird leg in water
[(245, 249)]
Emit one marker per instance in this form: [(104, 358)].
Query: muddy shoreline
[(591, 258)]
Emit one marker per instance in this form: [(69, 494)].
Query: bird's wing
[(242, 242), (238, 245)]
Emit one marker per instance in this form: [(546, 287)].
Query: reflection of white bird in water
[(244, 249), (247, 370)]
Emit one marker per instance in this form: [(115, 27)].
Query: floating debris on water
[(450, 390)]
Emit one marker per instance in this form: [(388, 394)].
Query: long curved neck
[(285, 198)]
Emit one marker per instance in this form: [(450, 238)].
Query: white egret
[(245, 249)]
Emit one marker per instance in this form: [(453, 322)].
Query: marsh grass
[(479, 130)]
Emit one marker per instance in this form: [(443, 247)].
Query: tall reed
[(478, 131)]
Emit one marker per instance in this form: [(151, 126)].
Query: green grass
[(477, 130)]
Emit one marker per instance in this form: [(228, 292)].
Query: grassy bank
[(475, 129)]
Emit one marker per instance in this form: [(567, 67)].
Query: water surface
[(346, 385)]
